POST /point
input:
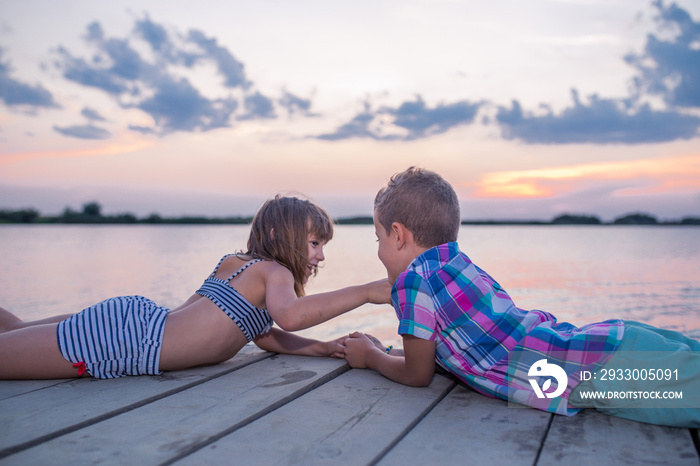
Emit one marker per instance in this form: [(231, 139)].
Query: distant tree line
[(92, 213), (569, 219), (629, 219), (565, 219)]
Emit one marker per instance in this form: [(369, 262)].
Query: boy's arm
[(416, 367), (280, 341), (393, 351)]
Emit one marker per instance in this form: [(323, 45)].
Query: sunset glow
[(676, 174), (111, 148), (528, 109)]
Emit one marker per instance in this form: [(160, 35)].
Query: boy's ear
[(402, 234)]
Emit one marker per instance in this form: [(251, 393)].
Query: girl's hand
[(379, 292), (336, 348)]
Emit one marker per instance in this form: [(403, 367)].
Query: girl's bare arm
[(279, 341), (293, 313)]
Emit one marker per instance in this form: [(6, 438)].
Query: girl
[(236, 304)]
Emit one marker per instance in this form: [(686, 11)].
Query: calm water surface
[(580, 274)]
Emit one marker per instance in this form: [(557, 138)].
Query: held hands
[(358, 347), (376, 341), (379, 292), (336, 348)]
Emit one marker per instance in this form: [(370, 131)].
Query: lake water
[(581, 274)]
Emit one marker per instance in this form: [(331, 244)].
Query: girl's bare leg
[(9, 321), (32, 353)]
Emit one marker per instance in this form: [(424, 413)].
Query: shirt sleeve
[(414, 305)]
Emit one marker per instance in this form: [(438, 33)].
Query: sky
[(529, 109)]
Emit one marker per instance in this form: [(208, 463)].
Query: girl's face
[(315, 254)]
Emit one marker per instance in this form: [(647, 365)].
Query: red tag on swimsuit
[(81, 367)]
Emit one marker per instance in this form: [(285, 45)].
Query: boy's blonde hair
[(280, 230), (424, 203)]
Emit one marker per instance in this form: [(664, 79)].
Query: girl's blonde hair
[(280, 231)]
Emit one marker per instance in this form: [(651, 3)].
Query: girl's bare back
[(199, 333)]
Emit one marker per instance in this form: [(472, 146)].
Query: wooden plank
[(10, 388), (592, 438), (42, 414), (467, 427), (352, 419), (172, 426)]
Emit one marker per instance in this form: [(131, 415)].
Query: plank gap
[(259, 414), (414, 423), (43, 384), (544, 439)]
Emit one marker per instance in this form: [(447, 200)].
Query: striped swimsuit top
[(250, 319)]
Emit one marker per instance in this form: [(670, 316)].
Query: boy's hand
[(379, 292), (357, 347)]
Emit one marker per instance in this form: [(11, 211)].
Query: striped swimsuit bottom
[(117, 337)]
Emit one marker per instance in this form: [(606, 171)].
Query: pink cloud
[(674, 174)]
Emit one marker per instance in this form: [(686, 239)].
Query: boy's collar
[(442, 253)]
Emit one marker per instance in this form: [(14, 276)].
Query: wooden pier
[(262, 409)]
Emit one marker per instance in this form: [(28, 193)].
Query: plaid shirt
[(485, 340)]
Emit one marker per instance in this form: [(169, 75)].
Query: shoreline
[(92, 214), (362, 221)]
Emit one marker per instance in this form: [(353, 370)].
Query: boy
[(453, 314)]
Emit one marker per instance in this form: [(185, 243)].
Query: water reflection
[(584, 274), (580, 274)]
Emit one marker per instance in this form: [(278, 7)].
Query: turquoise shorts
[(653, 377)]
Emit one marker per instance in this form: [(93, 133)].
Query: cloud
[(178, 106), (602, 121), (159, 40), (667, 68), (84, 132), (156, 84), (409, 121), (155, 35), (125, 62), (358, 127), (79, 71), (92, 115), (295, 104), (230, 68), (671, 68), (258, 106), (15, 93), (142, 129), (421, 121)]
